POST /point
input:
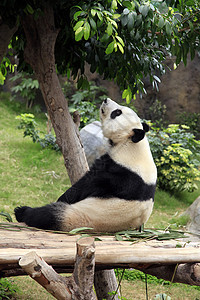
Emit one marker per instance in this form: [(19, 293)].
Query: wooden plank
[(59, 249)]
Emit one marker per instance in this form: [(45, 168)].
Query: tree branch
[(77, 287)]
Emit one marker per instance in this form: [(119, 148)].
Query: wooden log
[(183, 273), (84, 268), (45, 275), (77, 287), (59, 251)]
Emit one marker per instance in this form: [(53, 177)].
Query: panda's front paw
[(20, 213)]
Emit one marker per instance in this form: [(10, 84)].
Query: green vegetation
[(26, 87), (34, 176), (176, 154), (8, 289)]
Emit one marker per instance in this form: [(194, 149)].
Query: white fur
[(114, 214), (136, 157), (106, 215), (120, 128)]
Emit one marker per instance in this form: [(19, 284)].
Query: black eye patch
[(115, 113)]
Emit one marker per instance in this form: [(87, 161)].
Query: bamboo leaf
[(7, 216), (79, 230)]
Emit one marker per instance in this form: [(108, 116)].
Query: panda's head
[(120, 123)]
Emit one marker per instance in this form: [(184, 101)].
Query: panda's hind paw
[(20, 213)]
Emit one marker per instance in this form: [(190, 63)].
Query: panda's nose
[(105, 101)]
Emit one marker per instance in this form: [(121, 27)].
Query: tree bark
[(77, 287), (41, 36), (105, 282), (6, 34), (183, 273), (45, 275)]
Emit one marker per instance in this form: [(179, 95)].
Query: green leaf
[(130, 5), (99, 14), (124, 94), (93, 24), (127, 94), (110, 48), (191, 26), (116, 16), (131, 20), (79, 34), (29, 9), (161, 22), (120, 48), (168, 28), (109, 29), (144, 9), (138, 20), (93, 12), (114, 4), (77, 14), (120, 40), (105, 38), (78, 24), (86, 29), (124, 20)]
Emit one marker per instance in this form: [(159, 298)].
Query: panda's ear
[(138, 135), (145, 127)]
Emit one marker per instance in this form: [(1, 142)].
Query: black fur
[(115, 113), (145, 127), (45, 217), (138, 135), (108, 179)]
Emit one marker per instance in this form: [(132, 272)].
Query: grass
[(34, 176)]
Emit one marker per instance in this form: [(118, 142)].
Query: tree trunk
[(105, 282), (6, 34), (41, 36)]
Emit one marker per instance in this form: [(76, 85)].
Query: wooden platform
[(59, 250)]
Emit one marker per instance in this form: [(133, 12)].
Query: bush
[(27, 122), (7, 289), (176, 154), (27, 87), (192, 120), (86, 101)]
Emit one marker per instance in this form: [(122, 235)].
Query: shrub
[(28, 123), (192, 120), (7, 289), (83, 101), (176, 154), (27, 87)]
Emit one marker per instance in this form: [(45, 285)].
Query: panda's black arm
[(95, 183)]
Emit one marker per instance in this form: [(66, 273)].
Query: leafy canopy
[(124, 40)]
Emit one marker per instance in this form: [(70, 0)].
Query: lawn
[(34, 176)]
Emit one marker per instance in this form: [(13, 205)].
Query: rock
[(94, 143), (194, 213)]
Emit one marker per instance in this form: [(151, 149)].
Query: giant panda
[(118, 191)]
